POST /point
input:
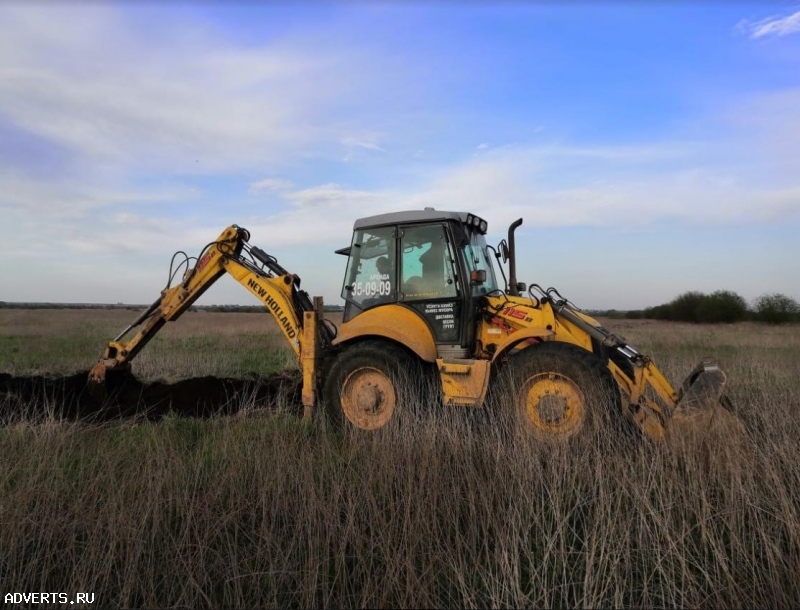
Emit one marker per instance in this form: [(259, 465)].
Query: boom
[(261, 274)]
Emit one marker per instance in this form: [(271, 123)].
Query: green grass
[(57, 342)]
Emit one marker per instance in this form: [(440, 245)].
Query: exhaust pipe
[(513, 290)]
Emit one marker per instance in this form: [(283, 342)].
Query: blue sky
[(650, 149)]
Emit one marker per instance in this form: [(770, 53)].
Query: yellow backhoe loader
[(422, 300)]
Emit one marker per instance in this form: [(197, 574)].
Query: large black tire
[(370, 382), (556, 391)]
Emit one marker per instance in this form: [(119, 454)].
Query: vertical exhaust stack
[(512, 259)]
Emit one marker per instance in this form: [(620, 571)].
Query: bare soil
[(70, 398)]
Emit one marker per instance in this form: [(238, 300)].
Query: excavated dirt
[(126, 397)]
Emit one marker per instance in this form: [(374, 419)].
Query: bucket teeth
[(105, 379), (97, 376), (97, 381)]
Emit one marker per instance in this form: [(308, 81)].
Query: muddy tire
[(369, 383), (555, 391)]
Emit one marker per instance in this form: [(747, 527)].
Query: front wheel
[(557, 390), (368, 382)]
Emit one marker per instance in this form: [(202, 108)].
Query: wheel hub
[(368, 398), (554, 404)]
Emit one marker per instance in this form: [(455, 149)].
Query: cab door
[(430, 284)]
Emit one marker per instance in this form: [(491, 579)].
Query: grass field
[(440, 509), (63, 341)]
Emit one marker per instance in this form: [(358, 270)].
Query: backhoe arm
[(277, 289)]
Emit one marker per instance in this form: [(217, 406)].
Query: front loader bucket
[(702, 407), (702, 390)]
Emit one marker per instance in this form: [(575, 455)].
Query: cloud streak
[(772, 26), (275, 185), (694, 184)]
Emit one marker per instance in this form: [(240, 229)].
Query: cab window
[(427, 270), (371, 277), (477, 258)]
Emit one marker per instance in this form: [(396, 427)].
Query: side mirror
[(478, 276), (502, 247)]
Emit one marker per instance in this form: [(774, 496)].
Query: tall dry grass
[(252, 512), (441, 508)]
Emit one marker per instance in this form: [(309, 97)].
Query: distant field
[(63, 341), (440, 509)]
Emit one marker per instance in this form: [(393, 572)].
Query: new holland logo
[(274, 306)]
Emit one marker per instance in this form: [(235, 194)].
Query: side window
[(477, 259), (427, 270), (371, 271)]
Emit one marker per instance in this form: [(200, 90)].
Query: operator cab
[(434, 262)]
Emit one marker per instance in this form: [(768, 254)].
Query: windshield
[(477, 257)]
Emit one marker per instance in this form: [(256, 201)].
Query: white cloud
[(58, 199), (366, 142), (745, 176), (365, 145), (323, 214), (772, 26), (269, 184), (87, 81), (619, 186), (556, 186)]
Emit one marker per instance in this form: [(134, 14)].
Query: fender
[(519, 336), (395, 322)]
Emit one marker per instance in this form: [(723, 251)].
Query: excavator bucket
[(96, 384), (104, 381), (97, 376)]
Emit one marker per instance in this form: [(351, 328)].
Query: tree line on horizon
[(139, 307), (721, 306)]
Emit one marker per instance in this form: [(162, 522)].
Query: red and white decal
[(514, 313), (203, 261)]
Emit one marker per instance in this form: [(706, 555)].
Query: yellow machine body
[(504, 325)]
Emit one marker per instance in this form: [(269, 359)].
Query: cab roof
[(416, 216), (395, 218)]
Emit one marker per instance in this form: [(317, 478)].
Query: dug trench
[(124, 396)]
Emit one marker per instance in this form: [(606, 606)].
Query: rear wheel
[(369, 382), (557, 390)]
